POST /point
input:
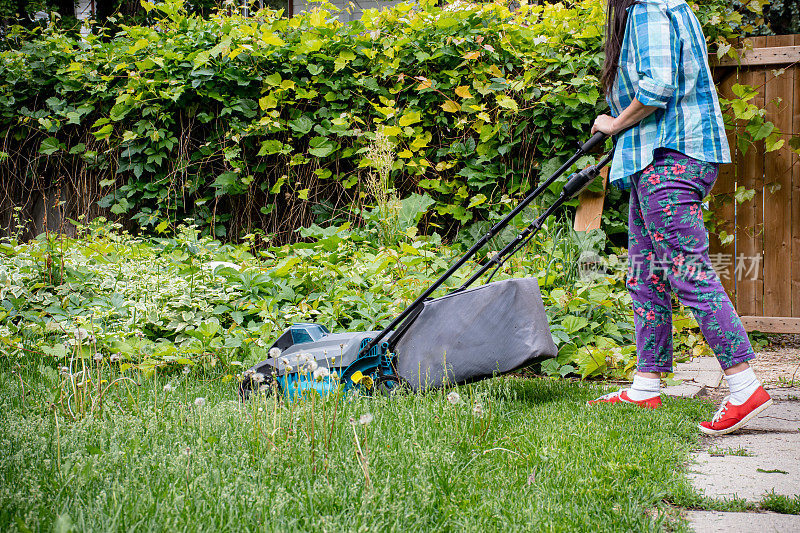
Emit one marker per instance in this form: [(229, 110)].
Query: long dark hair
[(615, 31)]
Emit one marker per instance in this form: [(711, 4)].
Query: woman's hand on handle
[(604, 123)]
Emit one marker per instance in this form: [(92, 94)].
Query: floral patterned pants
[(668, 252)]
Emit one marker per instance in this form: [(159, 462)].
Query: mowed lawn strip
[(505, 454)]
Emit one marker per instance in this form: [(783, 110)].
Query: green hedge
[(263, 124)]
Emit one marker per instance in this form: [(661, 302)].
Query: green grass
[(781, 504), (539, 459)]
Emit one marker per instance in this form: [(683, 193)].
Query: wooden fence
[(760, 268)]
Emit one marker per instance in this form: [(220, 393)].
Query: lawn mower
[(464, 336)]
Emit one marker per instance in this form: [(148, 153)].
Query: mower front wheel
[(391, 385)]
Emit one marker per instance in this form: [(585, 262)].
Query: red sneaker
[(731, 417), (621, 396)]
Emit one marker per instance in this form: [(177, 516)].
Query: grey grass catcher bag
[(474, 334)]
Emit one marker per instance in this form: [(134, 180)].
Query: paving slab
[(696, 375), (762, 457), (718, 522), (703, 371), (684, 390), (785, 393)]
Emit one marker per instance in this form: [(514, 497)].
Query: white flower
[(186, 370), (64, 371), (98, 357), (80, 334), (274, 352), (477, 410), (453, 397), (258, 377), (199, 402), (365, 419), (249, 372), (114, 358), (321, 373), (311, 366), (169, 388), (263, 388)]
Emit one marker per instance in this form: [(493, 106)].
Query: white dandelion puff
[(169, 388), (365, 419), (311, 366), (115, 358), (258, 377), (186, 370), (453, 397), (263, 388), (477, 410), (249, 372), (274, 352), (64, 371), (321, 373), (80, 334), (199, 402), (98, 357)]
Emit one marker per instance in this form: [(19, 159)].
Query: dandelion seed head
[(321, 373), (186, 370), (365, 419), (453, 397), (274, 352), (478, 411), (169, 388), (80, 334), (64, 371), (263, 388), (98, 357), (258, 377), (115, 358), (199, 402), (249, 372)]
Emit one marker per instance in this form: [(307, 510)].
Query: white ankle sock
[(644, 388), (742, 385)]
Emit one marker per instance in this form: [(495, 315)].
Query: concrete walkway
[(761, 458)]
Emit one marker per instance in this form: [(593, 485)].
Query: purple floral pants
[(668, 252)]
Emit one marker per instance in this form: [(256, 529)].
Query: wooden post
[(589, 214)]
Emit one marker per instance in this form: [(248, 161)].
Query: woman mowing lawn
[(670, 142)]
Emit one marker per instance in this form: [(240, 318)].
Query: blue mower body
[(337, 352)]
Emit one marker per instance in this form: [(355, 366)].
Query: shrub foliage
[(265, 122)]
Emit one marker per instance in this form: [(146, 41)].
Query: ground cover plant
[(191, 301)]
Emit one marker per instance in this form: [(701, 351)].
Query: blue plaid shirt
[(663, 62)]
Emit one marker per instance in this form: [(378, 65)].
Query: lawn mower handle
[(582, 150)]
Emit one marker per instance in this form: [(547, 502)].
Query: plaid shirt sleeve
[(656, 52)]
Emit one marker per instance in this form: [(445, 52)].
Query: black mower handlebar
[(596, 139)]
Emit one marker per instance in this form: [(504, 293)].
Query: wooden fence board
[(795, 201), (749, 227), (721, 203), (777, 194)]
